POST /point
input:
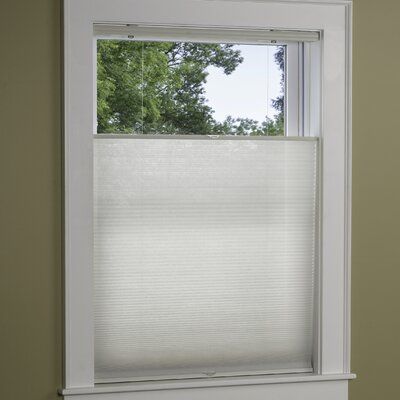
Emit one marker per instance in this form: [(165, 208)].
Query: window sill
[(200, 383)]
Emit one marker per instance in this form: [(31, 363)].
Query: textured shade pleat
[(204, 256)]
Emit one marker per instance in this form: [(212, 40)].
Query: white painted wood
[(334, 178), (78, 194), (332, 124), (326, 390), (348, 192), (206, 383), (255, 15), (312, 95)]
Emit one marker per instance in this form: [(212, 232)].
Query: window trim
[(333, 20)]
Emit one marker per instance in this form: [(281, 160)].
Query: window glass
[(184, 88)]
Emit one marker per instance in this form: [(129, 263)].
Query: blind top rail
[(238, 35), (202, 137)]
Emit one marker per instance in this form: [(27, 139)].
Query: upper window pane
[(184, 88)]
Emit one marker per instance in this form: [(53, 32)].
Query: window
[(207, 204), (189, 88), (208, 245)]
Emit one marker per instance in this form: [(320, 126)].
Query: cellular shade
[(204, 256)]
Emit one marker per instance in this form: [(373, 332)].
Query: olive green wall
[(30, 200), (376, 200)]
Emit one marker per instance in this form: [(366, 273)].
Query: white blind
[(204, 256), (202, 35)]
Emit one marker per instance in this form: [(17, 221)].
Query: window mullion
[(293, 90)]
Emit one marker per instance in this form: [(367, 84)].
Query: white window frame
[(326, 101)]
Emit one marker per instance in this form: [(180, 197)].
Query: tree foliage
[(159, 87)]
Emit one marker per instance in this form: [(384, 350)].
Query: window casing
[(320, 109)]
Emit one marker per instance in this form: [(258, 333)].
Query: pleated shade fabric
[(204, 256)]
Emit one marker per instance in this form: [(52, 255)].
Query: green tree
[(158, 87)]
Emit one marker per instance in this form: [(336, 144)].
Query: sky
[(246, 92)]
